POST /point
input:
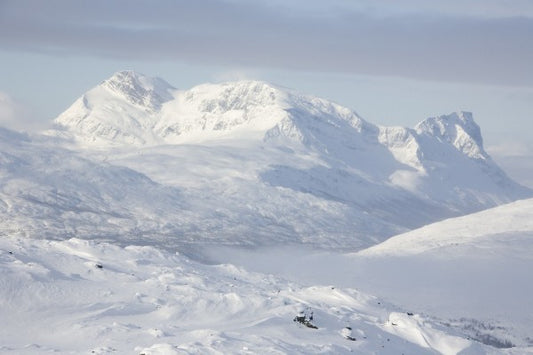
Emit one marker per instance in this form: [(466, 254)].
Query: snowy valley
[(157, 221)]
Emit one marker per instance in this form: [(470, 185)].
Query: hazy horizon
[(394, 65)]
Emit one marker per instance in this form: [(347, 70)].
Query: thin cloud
[(15, 116), (511, 149), (459, 48), (10, 111)]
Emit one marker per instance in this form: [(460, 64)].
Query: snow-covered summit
[(209, 111), (306, 169), (459, 129), (133, 109), (130, 108), (121, 110), (139, 89)]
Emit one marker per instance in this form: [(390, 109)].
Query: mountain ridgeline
[(249, 163)]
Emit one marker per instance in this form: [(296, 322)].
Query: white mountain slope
[(473, 271), (49, 192), (251, 164), (258, 164), (471, 274), (123, 108), (74, 297), (508, 226)]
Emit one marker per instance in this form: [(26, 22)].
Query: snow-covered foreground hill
[(508, 228), (77, 296), (470, 273), (476, 267)]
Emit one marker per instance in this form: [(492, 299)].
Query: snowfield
[(246, 218), (468, 273), (508, 226), (78, 296)]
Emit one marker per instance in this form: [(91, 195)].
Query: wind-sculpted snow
[(471, 274), (78, 296)]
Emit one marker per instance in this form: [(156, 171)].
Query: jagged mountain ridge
[(259, 164), (130, 108)]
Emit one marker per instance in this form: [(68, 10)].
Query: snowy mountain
[(120, 109), (260, 164), (152, 220)]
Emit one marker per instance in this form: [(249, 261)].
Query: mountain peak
[(139, 89), (457, 128), (128, 109), (236, 95)]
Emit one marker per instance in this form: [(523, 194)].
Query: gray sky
[(434, 42), (394, 62)]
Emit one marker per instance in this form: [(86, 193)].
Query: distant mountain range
[(245, 163)]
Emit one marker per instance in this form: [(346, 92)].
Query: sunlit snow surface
[(119, 229), (79, 296), (248, 163), (470, 273)]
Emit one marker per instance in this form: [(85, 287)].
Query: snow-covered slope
[(471, 273), (77, 296), (262, 164), (49, 192), (221, 167), (122, 108), (506, 226)]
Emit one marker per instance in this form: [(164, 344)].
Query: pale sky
[(394, 62)]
